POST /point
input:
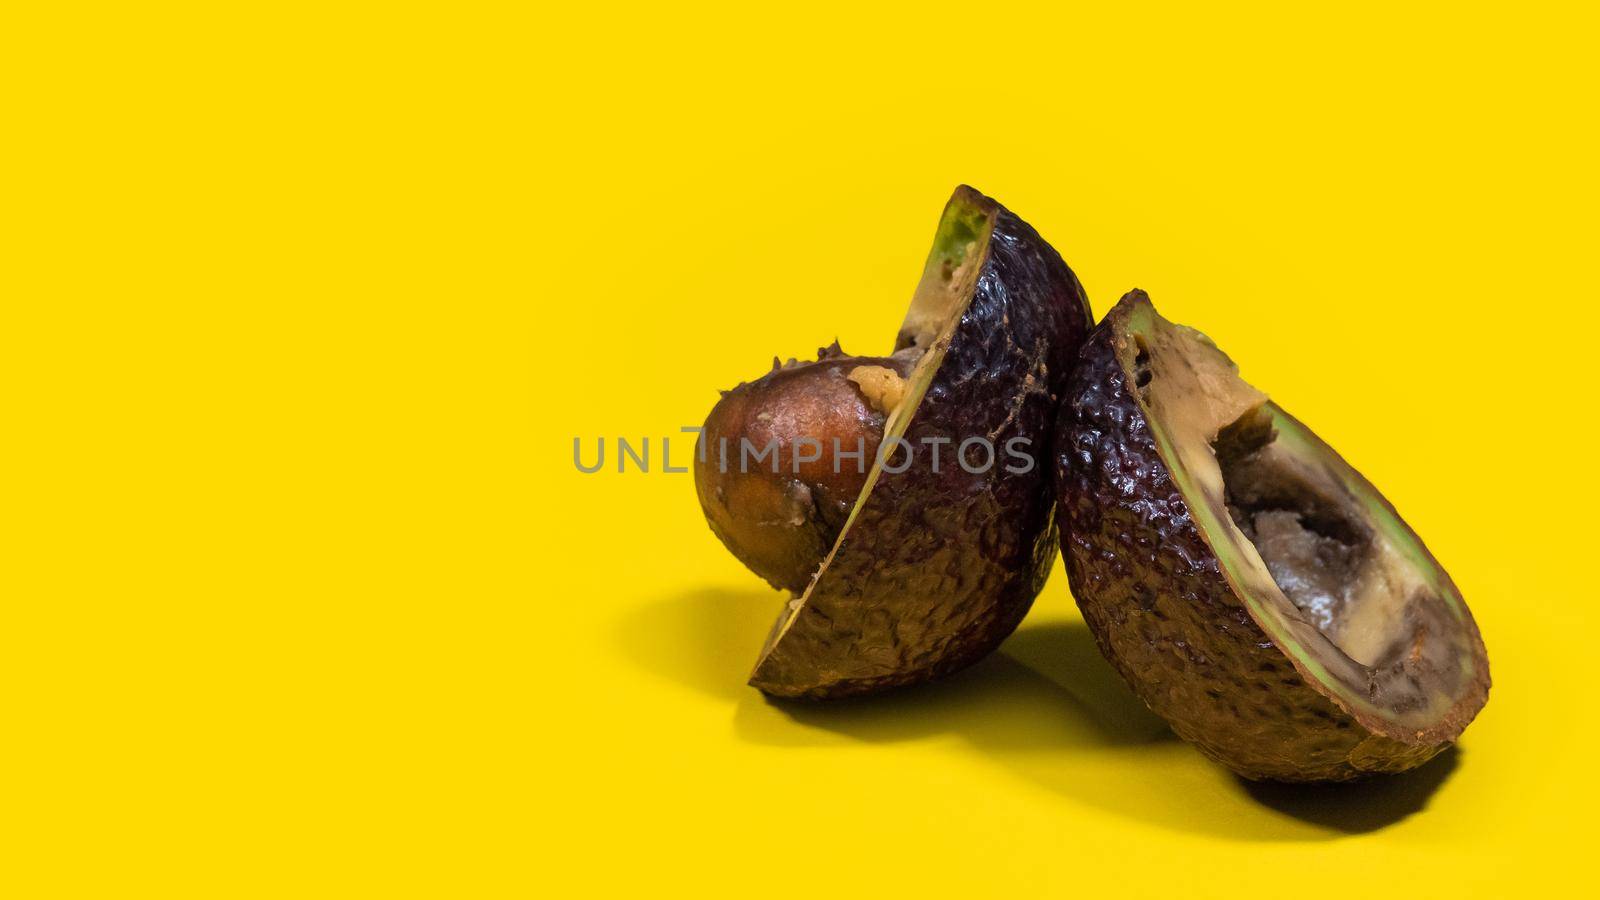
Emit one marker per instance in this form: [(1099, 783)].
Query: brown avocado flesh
[(1254, 588), (935, 565)]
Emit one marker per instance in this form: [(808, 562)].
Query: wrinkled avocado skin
[(1162, 612), (938, 569)]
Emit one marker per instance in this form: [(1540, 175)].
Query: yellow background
[(303, 309)]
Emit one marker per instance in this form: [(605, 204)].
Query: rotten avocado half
[(935, 562), (1253, 588)]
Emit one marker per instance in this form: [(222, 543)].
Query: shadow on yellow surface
[(706, 639), (1363, 806), (1047, 707)]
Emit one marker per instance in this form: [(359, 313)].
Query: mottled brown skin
[(778, 517), (938, 569), (1153, 593)]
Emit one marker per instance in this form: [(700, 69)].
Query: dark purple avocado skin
[(1153, 594), (938, 568)]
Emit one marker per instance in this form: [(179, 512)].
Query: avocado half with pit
[(1252, 587), (937, 562)]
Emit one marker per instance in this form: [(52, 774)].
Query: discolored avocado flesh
[(936, 564), (784, 457), (1250, 585)]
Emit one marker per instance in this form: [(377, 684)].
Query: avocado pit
[(783, 458)]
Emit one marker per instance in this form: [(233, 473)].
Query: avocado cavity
[(1337, 570)]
